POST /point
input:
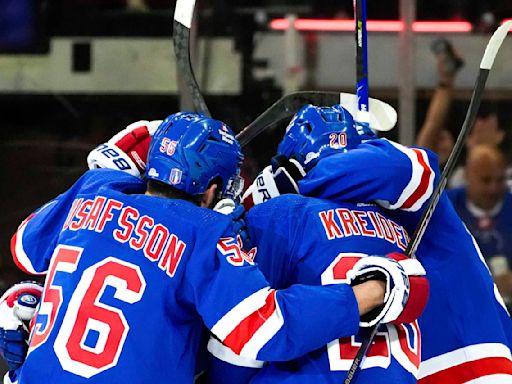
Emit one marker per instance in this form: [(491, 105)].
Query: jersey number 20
[(400, 341), (86, 315)]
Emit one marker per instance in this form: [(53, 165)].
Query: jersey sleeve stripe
[(19, 255), (233, 317), (415, 201), (471, 371), (247, 327), (244, 332), (221, 352), (421, 182), (466, 364), (264, 333)]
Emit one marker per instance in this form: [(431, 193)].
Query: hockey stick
[(183, 14), (361, 37), (382, 118), (490, 53)]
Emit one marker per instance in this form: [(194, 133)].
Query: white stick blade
[(494, 45), (381, 117), (184, 12)]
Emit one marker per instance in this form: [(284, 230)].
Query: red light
[(442, 26), (504, 21), (347, 25)]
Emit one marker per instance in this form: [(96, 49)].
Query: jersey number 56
[(85, 314)]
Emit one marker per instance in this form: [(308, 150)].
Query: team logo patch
[(28, 299), (175, 176)]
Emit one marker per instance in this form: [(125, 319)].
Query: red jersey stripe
[(470, 370), (424, 181), (14, 241), (244, 331)]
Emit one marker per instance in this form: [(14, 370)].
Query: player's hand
[(406, 291), (17, 308), (277, 179), (127, 151), (287, 173), (236, 212)]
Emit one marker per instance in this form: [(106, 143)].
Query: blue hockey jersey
[(467, 332), (302, 240), (132, 279)]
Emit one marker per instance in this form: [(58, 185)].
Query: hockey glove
[(287, 173), (17, 308), (277, 179), (406, 287), (127, 151), (236, 212)]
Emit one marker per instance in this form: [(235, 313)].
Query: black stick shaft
[(181, 41), (451, 163)]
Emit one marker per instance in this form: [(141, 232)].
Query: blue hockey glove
[(17, 307), (13, 346)]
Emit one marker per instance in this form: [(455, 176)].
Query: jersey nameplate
[(344, 222), (140, 232)]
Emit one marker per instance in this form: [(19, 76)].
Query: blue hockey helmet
[(317, 132), (188, 151)]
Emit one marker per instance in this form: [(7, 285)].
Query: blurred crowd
[(480, 186)]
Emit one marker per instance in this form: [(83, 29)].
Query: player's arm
[(255, 321), (127, 150), (225, 366), (33, 242), (395, 176), (429, 135), (229, 367)]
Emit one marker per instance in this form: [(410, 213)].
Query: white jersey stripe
[(415, 181), (237, 314), (462, 355), (19, 253), (263, 334), (221, 352), (426, 195)]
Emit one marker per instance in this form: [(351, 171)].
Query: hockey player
[(466, 330), (304, 240), (135, 269)]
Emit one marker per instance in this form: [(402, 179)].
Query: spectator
[(433, 134), (486, 131), (485, 206)]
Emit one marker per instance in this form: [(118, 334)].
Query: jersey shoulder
[(96, 179)]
